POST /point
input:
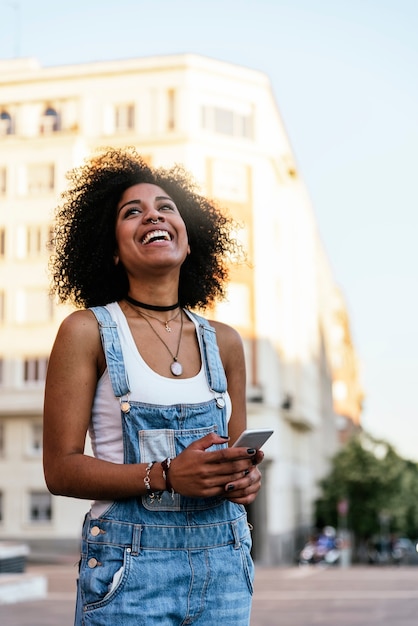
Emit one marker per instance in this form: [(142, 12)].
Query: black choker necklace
[(152, 307)]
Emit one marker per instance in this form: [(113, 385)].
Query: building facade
[(221, 122)]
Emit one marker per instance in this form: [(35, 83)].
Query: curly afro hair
[(82, 265)]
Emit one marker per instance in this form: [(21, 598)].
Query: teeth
[(156, 234)]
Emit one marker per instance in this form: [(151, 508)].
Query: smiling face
[(150, 232)]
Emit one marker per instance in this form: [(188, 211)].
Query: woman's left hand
[(244, 490)]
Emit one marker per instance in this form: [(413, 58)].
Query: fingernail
[(251, 451), (230, 487)]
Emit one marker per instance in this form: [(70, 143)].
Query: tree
[(379, 486)]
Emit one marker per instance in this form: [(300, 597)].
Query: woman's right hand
[(198, 472)]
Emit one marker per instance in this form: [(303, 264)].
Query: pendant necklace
[(175, 367), (164, 322)]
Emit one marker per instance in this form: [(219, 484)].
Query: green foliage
[(377, 483)]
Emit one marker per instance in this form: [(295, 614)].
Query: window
[(6, 123), (32, 240), (40, 178), (2, 243), (50, 122), (36, 437), (171, 105), (2, 306), (124, 117), (223, 121), (36, 242), (3, 181), (227, 122), (2, 439), (34, 369), (244, 126), (40, 506)]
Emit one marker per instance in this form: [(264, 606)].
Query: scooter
[(311, 555)]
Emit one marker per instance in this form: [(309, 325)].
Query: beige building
[(221, 121)]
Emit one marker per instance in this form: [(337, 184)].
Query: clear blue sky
[(345, 76)]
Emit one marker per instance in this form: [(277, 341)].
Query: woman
[(161, 392)]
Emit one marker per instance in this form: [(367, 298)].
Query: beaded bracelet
[(157, 495)]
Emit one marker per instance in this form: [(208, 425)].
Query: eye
[(132, 210), (168, 208)]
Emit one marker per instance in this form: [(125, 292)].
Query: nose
[(152, 217)]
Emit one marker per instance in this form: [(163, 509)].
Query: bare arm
[(74, 366)]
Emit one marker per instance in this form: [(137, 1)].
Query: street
[(306, 596), (356, 596)]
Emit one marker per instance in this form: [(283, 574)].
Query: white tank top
[(146, 386)]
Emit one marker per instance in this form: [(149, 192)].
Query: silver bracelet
[(151, 495)]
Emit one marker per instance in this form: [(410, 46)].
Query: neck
[(152, 307)]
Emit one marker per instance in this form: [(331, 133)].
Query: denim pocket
[(247, 562), (103, 574), (158, 444)]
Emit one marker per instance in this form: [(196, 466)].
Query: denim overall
[(175, 561)]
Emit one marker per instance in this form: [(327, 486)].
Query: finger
[(258, 458), (243, 496), (247, 480), (232, 455), (244, 500), (257, 455), (223, 473), (207, 441)]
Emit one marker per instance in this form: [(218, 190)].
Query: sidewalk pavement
[(335, 596), (307, 596)]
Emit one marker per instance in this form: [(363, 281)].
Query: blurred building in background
[(222, 122)]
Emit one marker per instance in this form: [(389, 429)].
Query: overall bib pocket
[(157, 445)]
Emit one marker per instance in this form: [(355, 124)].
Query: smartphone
[(253, 438)]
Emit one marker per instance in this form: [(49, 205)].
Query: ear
[(188, 249), (116, 259)]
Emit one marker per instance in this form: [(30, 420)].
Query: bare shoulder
[(228, 338), (79, 322), (80, 328)]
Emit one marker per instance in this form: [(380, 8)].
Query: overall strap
[(215, 373), (112, 350)]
